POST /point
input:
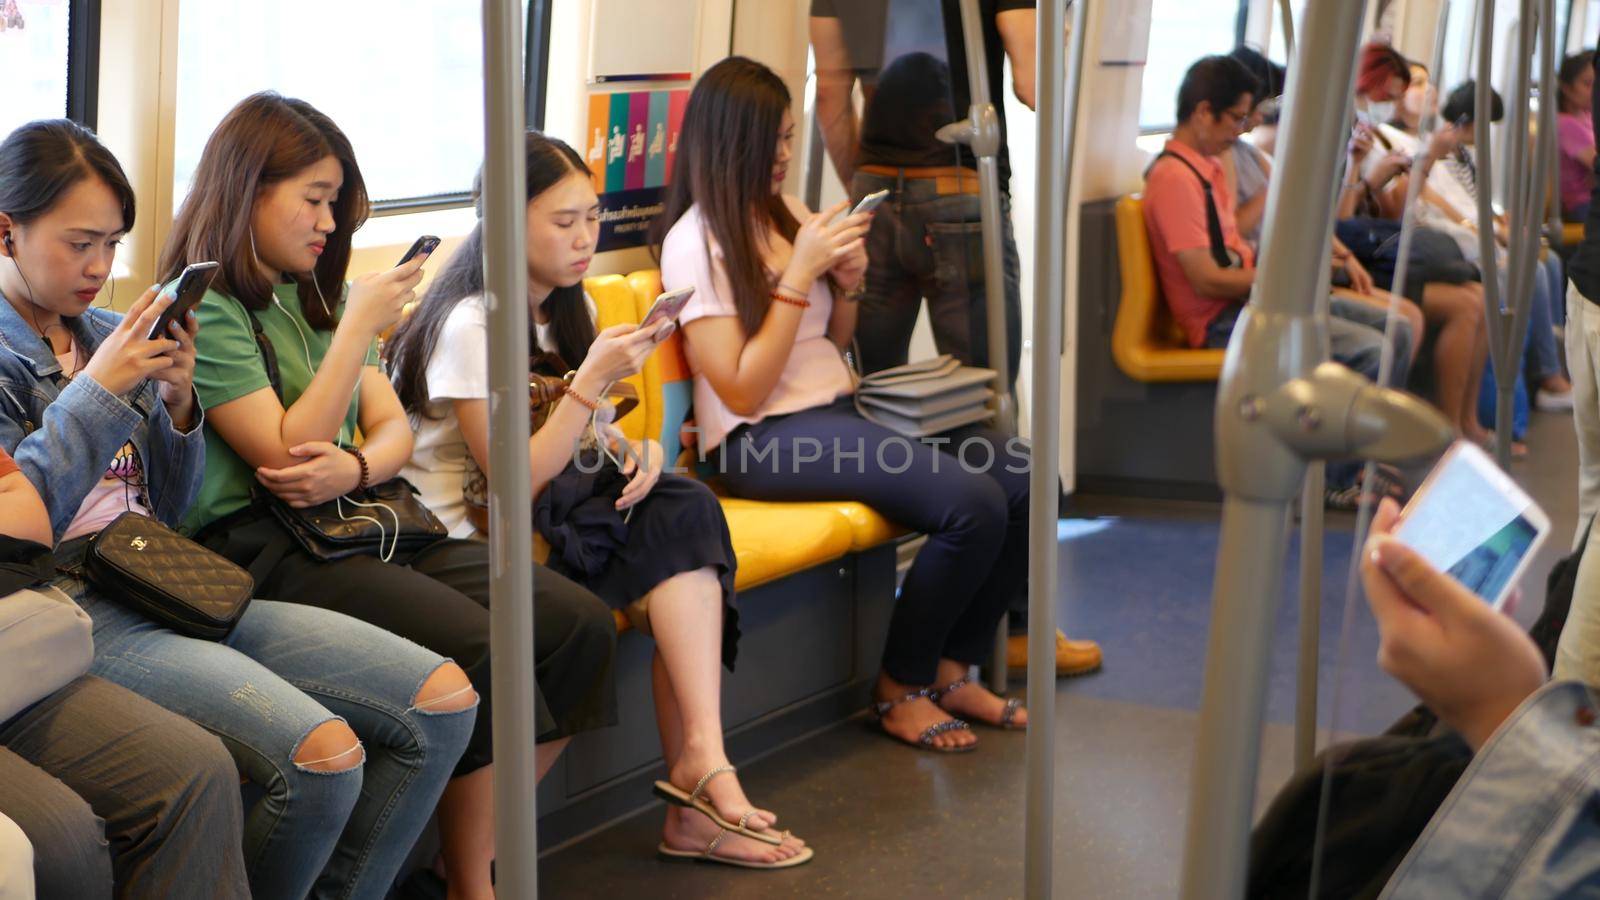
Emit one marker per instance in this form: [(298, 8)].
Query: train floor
[(890, 821)]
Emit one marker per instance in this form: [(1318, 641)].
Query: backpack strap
[(1219, 246), (269, 355)]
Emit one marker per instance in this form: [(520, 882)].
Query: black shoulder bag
[(381, 520), (1219, 245), (147, 566)]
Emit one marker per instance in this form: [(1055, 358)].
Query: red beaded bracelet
[(590, 405), (781, 297)]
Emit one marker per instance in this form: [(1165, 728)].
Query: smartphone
[(1471, 521), (870, 202), (192, 285), (667, 307), (423, 245)]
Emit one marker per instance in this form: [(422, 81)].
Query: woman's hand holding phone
[(617, 352), (327, 472), (126, 357), (1467, 662), (376, 300), (821, 243)]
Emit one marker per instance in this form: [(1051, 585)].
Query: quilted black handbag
[(380, 520), (173, 580)]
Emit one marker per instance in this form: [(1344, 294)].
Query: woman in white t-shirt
[(655, 546)]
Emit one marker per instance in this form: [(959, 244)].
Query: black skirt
[(678, 527)]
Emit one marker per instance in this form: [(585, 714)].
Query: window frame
[(535, 66), (83, 62), (1240, 26)]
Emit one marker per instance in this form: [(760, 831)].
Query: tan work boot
[(1072, 657)]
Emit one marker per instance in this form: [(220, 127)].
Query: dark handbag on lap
[(380, 520), (147, 566)]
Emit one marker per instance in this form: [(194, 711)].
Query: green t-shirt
[(228, 366)]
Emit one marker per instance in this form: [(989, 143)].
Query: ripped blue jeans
[(285, 670)]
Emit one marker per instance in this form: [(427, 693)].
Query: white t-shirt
[(440, 463), (1443, 181)]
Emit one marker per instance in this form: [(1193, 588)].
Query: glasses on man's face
[(1235, 118)]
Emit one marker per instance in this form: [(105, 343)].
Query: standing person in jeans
[(763, 334), (348, 731), (280, 225), (115, 795), (927, 240)]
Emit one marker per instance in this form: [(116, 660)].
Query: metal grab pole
[(1519, 282), (1487, 262), (1288, 28), (982, 134), (1277, 339), (980, 131), (1060, 72), (510, 534)]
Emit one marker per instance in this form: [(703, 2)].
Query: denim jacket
[(1524, 820), (64, 433)]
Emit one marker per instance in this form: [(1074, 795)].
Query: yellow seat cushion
[(1145, 342), (868, 528), (1571, 234), (771, 540)]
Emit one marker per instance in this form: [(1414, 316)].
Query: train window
[(1182, 31), (403, 78), (35, 38)]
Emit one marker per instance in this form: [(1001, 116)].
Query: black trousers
[(968, 494), (440, 599)]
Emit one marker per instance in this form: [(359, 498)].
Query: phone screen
[(667, 306), (1474, 523)]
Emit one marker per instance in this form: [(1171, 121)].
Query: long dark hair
[(726, 152), (1571, 68), (548, 160), (266, 139), (41, 161)]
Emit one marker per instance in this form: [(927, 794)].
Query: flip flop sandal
[(926, 738), (1007, 716), (709, 855), (675, 795)]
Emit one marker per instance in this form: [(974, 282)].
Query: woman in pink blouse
[(774, 305), (1575, 131)]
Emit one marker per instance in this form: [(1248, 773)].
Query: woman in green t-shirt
[(275, 199)]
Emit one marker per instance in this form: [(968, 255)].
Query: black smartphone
[(192, 285), (425, 244)]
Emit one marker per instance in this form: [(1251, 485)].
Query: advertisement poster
[(632, 140)]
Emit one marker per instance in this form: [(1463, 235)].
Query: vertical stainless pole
[(511, 577), (1487, 247), (1288, 28), (1519, 279), (982, 135), (1278, 338), (1060, 71)]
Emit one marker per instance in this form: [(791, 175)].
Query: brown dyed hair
[(264, 140), (726, 151)]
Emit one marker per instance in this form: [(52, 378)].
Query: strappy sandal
[(926, 738), (1007, 716), (709, 855), (675, 795)]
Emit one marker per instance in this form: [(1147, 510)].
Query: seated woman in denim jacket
[(1520, 822), (104, 421), (666, 558), (113, 793)]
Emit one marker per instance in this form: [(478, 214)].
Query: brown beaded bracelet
[(366, 473), (781, 297)]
